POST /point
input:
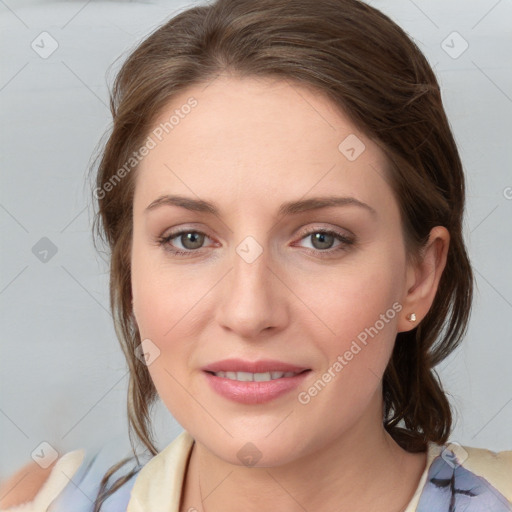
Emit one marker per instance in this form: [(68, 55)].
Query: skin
[(249, 146)]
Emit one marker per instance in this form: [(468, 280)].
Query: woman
[(283, 200)]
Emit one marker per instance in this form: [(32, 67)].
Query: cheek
[(161, 295), (357, 308), (162, 309), (169, 306), (361, 311), (351, 299)]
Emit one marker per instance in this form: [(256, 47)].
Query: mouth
[(255, 377), (257, 382)]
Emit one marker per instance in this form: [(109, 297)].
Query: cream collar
[(151, 493)]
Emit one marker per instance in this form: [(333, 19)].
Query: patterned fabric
[(449, 486), (452, 488)]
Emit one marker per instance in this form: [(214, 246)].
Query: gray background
[(63, 376)]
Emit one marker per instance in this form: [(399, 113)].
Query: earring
[(411, 317)]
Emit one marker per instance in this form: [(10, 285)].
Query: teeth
[(243, 376), (256, 377)]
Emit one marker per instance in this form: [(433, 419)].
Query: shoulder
[(33, 484), (467, 478), (82, 490), (495, 467), (73, 484)]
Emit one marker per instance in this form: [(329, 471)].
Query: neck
[(363, 469)]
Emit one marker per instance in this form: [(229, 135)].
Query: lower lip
[(254, 392)]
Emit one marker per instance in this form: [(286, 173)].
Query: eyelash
[(345, 242)]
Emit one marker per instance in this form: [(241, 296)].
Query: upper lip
[(262, 366)]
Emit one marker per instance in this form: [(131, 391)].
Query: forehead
[(241, 140)]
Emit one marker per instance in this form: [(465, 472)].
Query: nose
[(252, 296)]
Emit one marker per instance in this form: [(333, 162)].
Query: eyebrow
[(289, 208)]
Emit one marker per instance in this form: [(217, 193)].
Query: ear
[(422, 278)]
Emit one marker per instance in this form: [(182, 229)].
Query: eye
[(190, 240), (323, 240), (187, 242)]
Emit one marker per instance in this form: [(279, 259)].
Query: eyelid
[(316, 228), (179, 229), (304, 232)]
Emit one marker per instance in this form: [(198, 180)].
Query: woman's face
[(259, 281)]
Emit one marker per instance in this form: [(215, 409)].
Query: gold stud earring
[(411, 317)]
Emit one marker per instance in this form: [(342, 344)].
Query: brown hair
[(368, 67)]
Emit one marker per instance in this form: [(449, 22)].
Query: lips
[(254, 382)]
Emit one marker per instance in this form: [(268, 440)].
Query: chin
[(259, 451)]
